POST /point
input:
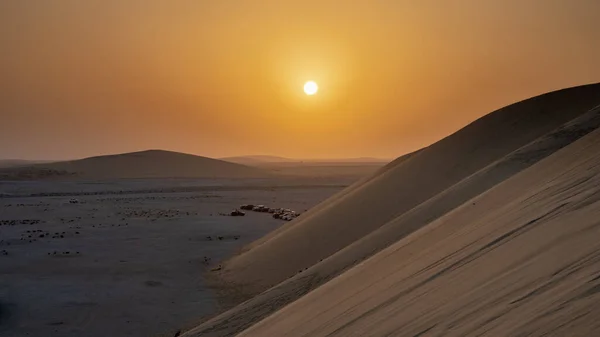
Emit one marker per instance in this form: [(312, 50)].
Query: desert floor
[(129, 258)]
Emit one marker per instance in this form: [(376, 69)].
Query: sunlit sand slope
[(523, 258), (402, 186)]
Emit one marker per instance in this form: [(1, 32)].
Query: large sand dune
[(145, 164), (485, 153), (403, 186), (520, 259)]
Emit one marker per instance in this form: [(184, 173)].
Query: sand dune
[(407, 222), (261, 160), (330, 201), (403, 186), (145, 164), (458, 194), (519, 259), (19, 162), (348, 160)]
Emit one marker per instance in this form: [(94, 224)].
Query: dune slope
[(145, 164), (400, 187), (459, 193), (330, 201), (520, 259)]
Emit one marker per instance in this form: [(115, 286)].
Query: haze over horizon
[(217, 79)]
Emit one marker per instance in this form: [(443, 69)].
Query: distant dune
[(419, 226), (145, 164), (352, 168), (349, 160), (4, 163), (257, 159), (261, 160)]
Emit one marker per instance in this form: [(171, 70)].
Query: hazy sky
[(219, 78)]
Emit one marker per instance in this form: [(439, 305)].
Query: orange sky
[(220, 78)]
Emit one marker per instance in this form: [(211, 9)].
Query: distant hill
[(19, 162), (258, 159), (145, 164), (349, 160)]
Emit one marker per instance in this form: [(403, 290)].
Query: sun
[(310, 88)]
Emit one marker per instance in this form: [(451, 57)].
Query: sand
[(128, 258), (520, 259)]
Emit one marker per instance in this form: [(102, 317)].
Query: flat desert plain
[(129, 257)]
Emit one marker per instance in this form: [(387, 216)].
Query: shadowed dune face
[(403, 186), (146, 164), (520, 259)]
